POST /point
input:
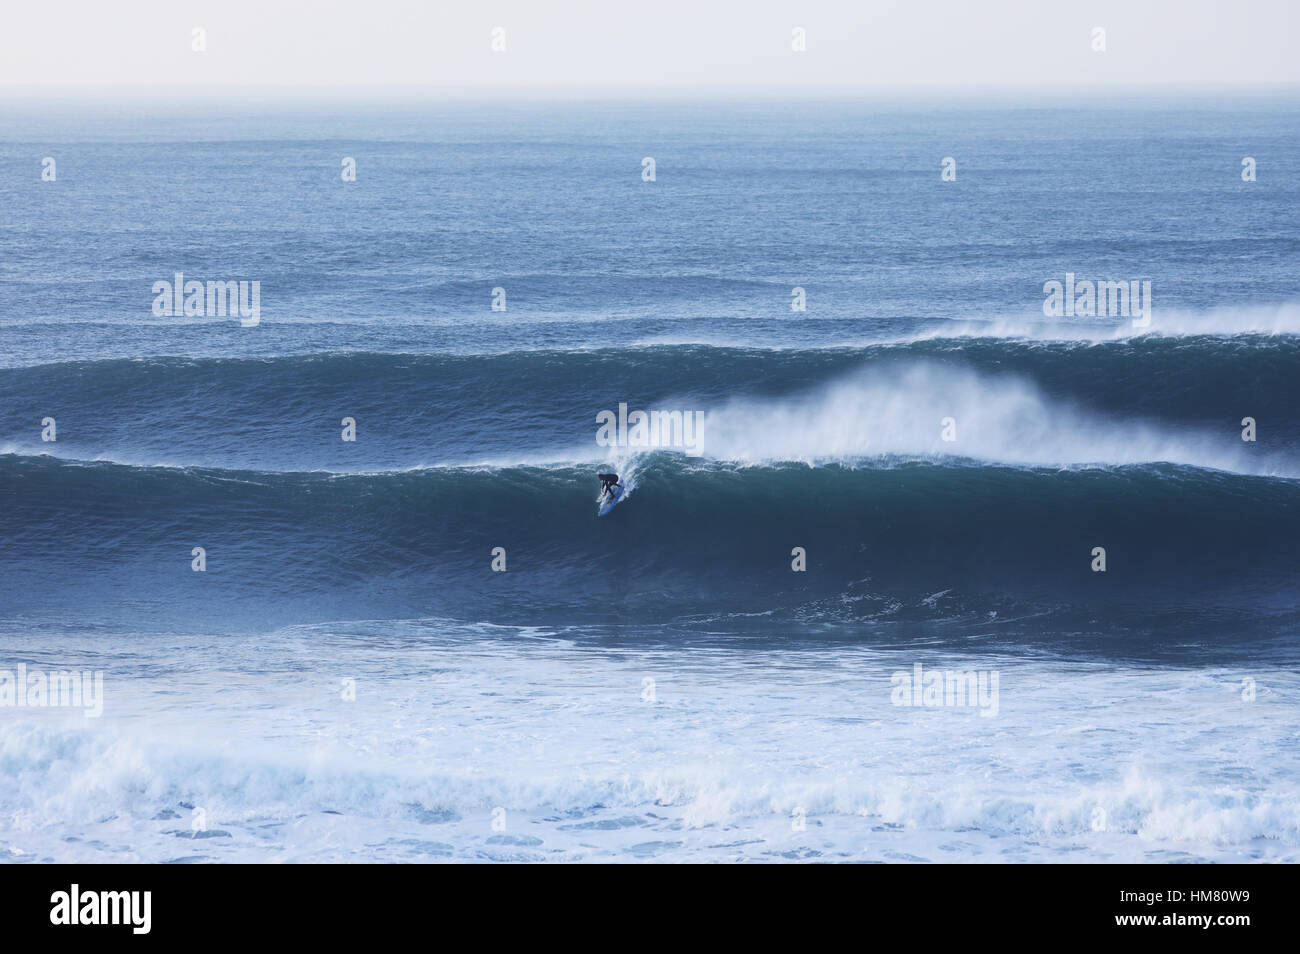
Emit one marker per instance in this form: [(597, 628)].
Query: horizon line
[(615, 90)]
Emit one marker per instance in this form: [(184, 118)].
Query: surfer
[(607, 482)]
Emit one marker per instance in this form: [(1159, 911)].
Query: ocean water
[(348, 679)]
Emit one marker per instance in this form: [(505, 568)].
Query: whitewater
[(502, 744)]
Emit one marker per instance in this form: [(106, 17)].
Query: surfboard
[(612, 501)]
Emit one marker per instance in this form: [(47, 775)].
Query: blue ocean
[(944, 576)]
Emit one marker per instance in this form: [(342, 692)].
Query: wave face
[(966, 546)]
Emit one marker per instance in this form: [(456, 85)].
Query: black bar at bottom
[(330, 904)]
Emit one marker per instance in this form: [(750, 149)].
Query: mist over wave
[(930, 409), (1222, 321)]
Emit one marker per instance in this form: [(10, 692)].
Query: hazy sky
[(601, 43)]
